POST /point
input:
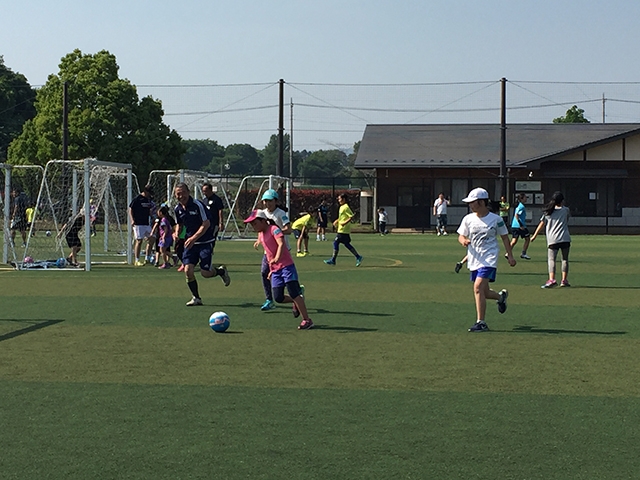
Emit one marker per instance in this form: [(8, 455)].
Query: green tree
[(270, 156), (16, 106), (324, 164), (573, 115), (200, 153), (241, 159), (107, 120)]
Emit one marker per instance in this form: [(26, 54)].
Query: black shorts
[(560, 246), (73, 240), (521, 232), (322, 224)]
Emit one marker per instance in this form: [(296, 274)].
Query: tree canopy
[(16, 106), (107, 120), (573, 115), (200, 153)]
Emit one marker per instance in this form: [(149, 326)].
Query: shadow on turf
[(343, 329), (37, 325), (533, 329), (317, 310)]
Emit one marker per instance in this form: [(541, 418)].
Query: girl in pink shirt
[(282, 270)]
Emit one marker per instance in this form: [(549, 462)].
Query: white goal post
[(94, 195)]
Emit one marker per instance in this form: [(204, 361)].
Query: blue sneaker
[(358, 261), (502, 302), (479, 327), (331, 261), (268, 305)]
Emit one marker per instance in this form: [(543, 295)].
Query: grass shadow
[(37, 325), (534, 329), (344, 329)]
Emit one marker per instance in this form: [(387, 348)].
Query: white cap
[(476, 194)]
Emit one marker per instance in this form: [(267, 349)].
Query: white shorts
[(141, 232)]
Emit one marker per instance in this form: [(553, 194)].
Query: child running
[(556, 217), (282, 270), (479, 232)]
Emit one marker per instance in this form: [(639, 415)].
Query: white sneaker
[(445, 233), (194, 301)]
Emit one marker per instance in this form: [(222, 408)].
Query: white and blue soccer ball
[(219, 322), (48, 233), (61, 263)]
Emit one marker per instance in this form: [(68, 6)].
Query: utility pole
[(291, 144), (503, 138), (280, 164)]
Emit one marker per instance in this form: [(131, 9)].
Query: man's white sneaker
[(194, 301)]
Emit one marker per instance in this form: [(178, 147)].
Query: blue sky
[(346, 41)]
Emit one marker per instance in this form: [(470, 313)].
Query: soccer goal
[(163, 183), (249, 196), (87, 197), (25, 180)]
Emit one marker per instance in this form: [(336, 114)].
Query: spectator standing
[(165, 237), (215, 206), (323, 221), (140, 212), (19, 206), (382, 221), (440, 212)]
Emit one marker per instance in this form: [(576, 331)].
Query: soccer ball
[(48, 233), (28, 259), (61, 263), (219, 322)]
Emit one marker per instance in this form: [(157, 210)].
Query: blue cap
[(270, 194)]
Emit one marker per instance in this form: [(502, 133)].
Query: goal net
[(163, 183), (25, 181), (87, 198)]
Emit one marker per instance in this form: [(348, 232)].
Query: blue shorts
[(199, 253), (484, 272), (283, 276)]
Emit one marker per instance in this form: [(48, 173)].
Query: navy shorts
[(484, 272), (201, 253)]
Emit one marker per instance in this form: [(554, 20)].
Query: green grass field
[(107, 374)]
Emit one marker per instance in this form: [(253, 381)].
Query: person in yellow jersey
[(343, 224), (300, 229)]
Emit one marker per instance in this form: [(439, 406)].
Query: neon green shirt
[(344, 214), (303, 221)]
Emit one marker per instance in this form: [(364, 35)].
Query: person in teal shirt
[(519, 226)]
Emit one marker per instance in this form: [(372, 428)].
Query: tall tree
[(324, 164), (573, 115), (16, 106), (270, 156), (241, 159), (107, 120), (200, 153)]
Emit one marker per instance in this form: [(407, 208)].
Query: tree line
[(107, 120)]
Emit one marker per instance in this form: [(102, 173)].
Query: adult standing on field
[(198, 245), (215, 206), (19, 206), (343, 224), (140, 214), (440, 212), (323, 221), (519, 226), (556, 217)]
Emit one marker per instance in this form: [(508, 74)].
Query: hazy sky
[(328, 41)]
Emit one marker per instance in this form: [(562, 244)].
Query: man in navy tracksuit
[(199, 242)]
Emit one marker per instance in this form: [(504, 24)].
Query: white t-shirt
[(281, 218), (382, 217), (441, 206), (484, 249)]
